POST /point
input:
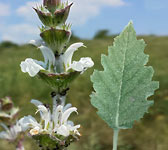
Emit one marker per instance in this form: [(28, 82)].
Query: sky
[(19, 23)]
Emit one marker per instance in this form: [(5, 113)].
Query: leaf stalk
[(115, 139)]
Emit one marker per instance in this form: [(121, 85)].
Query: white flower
[(81, 65), (47, 53), (10, 133), (57, 122), (29, 122), (32, 67)]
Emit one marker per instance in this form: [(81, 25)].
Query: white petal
[(71, 123), (57, 115), (72, 128), (67, 57), (87, 62), (10, 133), (4, 135), (30, 67), (77, 66), (41, 63), (28, 122), (42, 108), (23, 66), (36, 102), (48, 55), (63, 130), (13, 133), (36, 43), (67, 113), (67, 106), (15, 130), (82, 64), (45, 114), (77, 132)]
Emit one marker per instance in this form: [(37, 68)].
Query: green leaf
[(124, 85)]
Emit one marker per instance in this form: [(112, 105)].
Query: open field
[(151, 133)]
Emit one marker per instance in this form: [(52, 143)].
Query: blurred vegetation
[(7, 44), (101, 34), (151, 133)]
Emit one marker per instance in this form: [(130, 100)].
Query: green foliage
[(125, 84)]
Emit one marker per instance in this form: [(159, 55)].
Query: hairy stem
[(58, 100), (59, 66), (115, 139)]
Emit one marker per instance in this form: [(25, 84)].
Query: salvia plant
[(54, 131), (121, 89)]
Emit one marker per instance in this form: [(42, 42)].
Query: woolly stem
[(115, 139), (58, 100)]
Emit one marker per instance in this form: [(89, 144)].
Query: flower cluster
[(55, 123), (33, 66), (11, 133), (12, 128)]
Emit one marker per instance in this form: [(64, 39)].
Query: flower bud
[(46, 18), (60, 16), (56, 18), (6, 103), (51, 4)]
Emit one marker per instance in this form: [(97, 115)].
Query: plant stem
[(115, 139), (58, 100)]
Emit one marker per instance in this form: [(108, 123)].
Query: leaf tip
[(130, 24)]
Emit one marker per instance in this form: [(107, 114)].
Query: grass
[(151, 133)]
